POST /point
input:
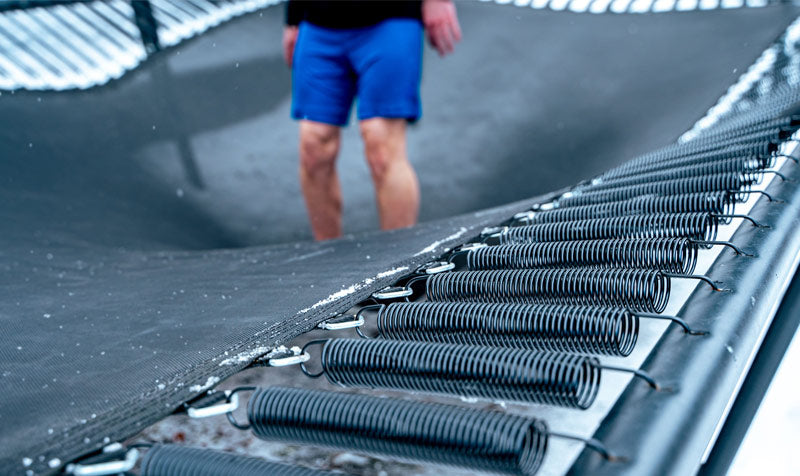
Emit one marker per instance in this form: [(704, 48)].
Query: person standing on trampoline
[(370, 50)]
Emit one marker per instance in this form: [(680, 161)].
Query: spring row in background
[(688, 155), (719, 203), (764, 161), (550, 328), (751, 123), (174, 460), (709, 183), (786, 123), (759, 143), (698, 226), (749, 168), (491, 373), (427, 432), (676, 255), (770, 135), (635, 289), (695, 158)]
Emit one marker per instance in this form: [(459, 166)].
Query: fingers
[(288, 52), (443, 36), (455, 28), (289, 41)]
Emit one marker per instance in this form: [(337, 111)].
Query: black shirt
[(350, 14)]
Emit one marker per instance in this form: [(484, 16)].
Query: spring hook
[(282, 356), (435, 267), (677, 320), (393, 292), (637, 373), (700, 277), (342, 322), (728, 244), (744, 217), (104, 468), (593, 444)]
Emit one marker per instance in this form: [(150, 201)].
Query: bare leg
[(319, 146), (396, 185)]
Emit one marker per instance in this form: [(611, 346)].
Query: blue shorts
[(380, 64)]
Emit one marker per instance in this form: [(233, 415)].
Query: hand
[(289, 40), (441, 25)]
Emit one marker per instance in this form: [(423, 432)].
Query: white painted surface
[(770, 445)]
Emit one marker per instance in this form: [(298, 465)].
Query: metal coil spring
[(635, 289), (427, 432), (174, 460), (784, 122), (698, 226), (677, 255), (751, 144), (759, 140), (549, 328), (764, 161), (721, 203), (732, 127), (709, 183), (647, 163), (748, 168), (788, 123), (492, 373)]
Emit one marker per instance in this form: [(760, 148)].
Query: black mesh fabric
[(121, 292)]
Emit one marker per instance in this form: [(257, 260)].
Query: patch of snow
[(245, 356), (209, 383), (353, 288), (438, 243)]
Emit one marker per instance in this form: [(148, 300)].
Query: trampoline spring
[(175, 460), (764, 161), (787, 123), (750, 168), (735, 183), (648, 164), (492, 373), (677, 255), (635, 289), (699, 226), (747, 144), (719, 202), (546, 328), (417, 431)]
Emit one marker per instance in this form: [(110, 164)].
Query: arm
[(295, 11), (441, 24)]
